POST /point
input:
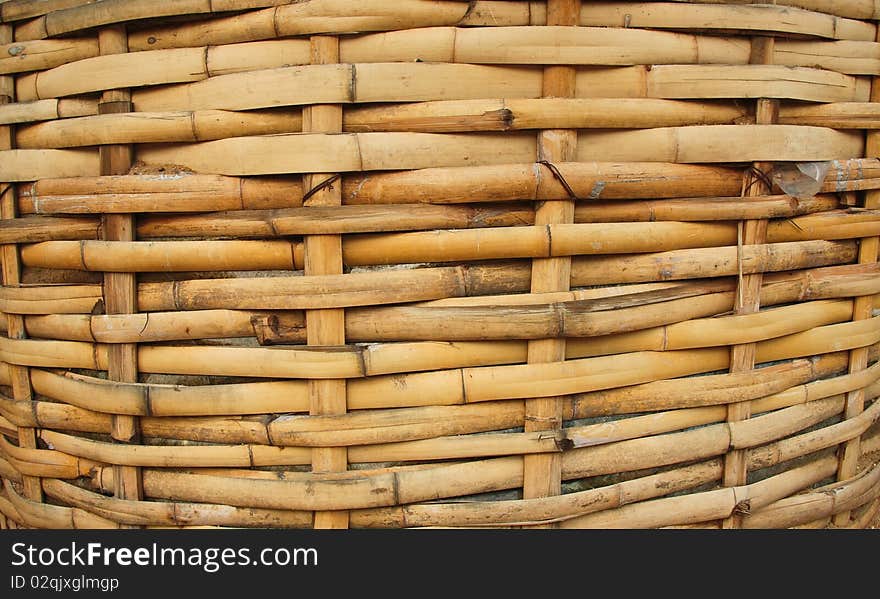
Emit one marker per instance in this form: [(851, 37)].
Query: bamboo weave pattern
[(422, 263)]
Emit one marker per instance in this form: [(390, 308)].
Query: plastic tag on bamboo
[(801, 180)]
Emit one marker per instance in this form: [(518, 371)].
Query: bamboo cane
[(47, 110)]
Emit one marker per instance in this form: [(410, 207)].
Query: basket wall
[(439, 263)]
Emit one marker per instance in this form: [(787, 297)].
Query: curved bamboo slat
[(439, 264)]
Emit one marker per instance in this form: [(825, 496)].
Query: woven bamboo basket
[(414, 263)]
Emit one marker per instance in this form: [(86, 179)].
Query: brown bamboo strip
[(540, 510), (710, 262), (364, 151), (361, 83), (853, 9), (438, 185), (323, 256), (43, 515), (704, 506), (816, 440), (23, 230), (331, 220), (179, 192), (308, 292), (514, 114), (771, 387), (155, 513), (46, 110), (698, 144), (61, 299), (542, 473), (17, 10), (808, 506), (21, 57), (669, 15), (433, 246), (840, 115), (863, 307), (852, 58), (702, 209), (317, 17), (11, 267), (314, 17), (120, 289), (30, 165), (156, 127), (749, 232)]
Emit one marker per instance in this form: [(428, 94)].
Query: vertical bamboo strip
[(323, 256), (862, 308), (742, 356), (20, 375), (120, 289), (542, 473)]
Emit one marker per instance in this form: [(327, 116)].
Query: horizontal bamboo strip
[(761, 18), (542, 510), (852, 58), (299, 153), (155, 127), (317, 291), (148, 193), (62, 299), (853, 9), (710, 262), (316, 152), (808, 506), (155, 513), (361, 83), (708, 505), (29, 165), (44, 228), (336, 15), (21, 57), (47, 110), (433, 246), (771, 386), (703, 209), (839, 115), (544, 113), (331, 219), (17, 10), (44, 515), (177, 192), (745, 81), (720, 143)]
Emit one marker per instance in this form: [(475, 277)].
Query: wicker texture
[(396, 263)]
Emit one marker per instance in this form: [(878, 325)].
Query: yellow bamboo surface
[(438, 264)]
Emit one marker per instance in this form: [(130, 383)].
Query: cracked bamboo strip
[(11, 267), (862, 309)]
